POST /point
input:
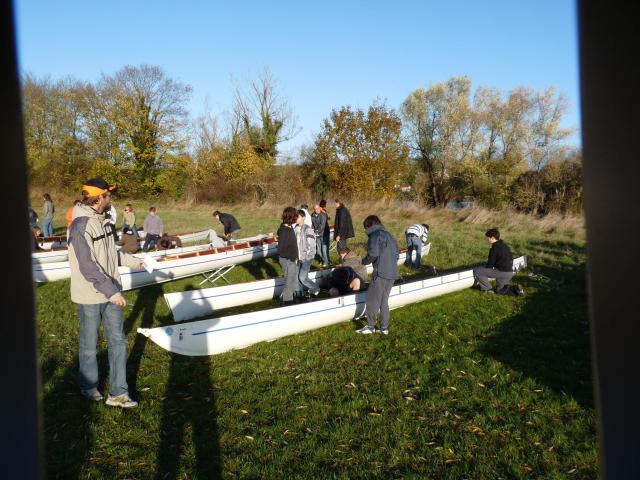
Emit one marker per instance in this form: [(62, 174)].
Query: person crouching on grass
[(96, 290), (499, 264), (288, 254), (382, 252)]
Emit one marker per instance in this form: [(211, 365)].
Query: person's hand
[(118, 299), (141, 266), (338, 238)]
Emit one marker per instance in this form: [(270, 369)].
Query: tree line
[(445, 142)]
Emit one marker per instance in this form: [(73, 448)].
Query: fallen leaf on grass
[(248, 437), (527, 468), (244, 412), (375, 414), (481, 385), (573, 470), (145, 389)]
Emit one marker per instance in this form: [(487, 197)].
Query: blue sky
[(322, 54)]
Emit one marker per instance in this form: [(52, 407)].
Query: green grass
[(466, 386)]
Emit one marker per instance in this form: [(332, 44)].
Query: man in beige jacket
[(95, 289)]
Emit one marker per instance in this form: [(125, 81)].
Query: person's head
[(370, 221), (77, 202), (340, 276), (338, 202), (334, 292), (425, 226), (152, 210), (216, 215), (289, 216), (301, 217), (323, 203), (304, 206), (492, 235), (128, 208), (317, 208), (37, 231), (47, 197), (96, 193)]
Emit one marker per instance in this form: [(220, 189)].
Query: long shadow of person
[(67, 438), (189, 406), (144, 306), (548, 339), (260, 269)]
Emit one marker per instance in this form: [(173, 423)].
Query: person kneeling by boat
[(288, 254), (499, 264), (128, 241), (306, 240), (383, 253), (167, 242)]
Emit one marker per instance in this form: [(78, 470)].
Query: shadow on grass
[(260, 269), (549, 339), (144, 306), (67, 437), (189, 406)]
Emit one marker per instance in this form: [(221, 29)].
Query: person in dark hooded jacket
[(343, 226)]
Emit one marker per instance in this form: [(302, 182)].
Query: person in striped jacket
[(417, 236)]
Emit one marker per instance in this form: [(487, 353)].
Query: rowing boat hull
[(198, 303), (168, 269), (219, 335)]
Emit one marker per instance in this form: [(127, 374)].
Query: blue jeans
[(303, 277), (133, 228), (110, 315), (47, 227), (413, 244), (322, 251), (150, 240)]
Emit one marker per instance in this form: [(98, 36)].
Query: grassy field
[(466, 386)]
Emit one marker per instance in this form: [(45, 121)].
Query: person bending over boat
[(382, 252), (288, 254), (343, 227), (306, 240), (153, 229), (37, 239), (417, 236), (96, 290), (344, 280), (499, 264), (230, 224)]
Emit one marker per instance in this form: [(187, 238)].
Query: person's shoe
[(487, 291), (315, 292), (122, 401), (384, 331), (366, 330), (92, 394)]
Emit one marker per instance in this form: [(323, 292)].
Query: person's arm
[(493, 257), (373, 250)]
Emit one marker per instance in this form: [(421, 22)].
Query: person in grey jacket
[(382, 252), (95, 289)]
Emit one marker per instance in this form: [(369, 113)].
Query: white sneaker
[(366, 330), (384, 332), (122, 401)]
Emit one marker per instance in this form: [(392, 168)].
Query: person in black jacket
[(499, 264), (343, 226), (230, 224), (288, 253)]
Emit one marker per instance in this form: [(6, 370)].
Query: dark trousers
[(483, 274)]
